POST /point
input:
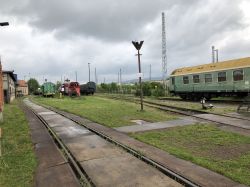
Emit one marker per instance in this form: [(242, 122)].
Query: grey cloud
[(106, 19), (100, 32)]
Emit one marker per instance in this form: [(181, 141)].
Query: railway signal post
[(138, 47)]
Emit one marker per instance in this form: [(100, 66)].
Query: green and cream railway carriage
[(227, 78)]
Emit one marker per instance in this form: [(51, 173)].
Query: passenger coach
[(227, 78)]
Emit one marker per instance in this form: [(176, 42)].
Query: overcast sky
[(56, 38)]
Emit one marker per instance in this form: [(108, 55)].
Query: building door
[(6, 100)]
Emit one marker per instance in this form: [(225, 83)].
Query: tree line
[(149, 88)]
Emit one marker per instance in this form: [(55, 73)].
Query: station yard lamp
[(138, 46)]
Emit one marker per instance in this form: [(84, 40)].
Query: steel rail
[(180, 179), (181, 109), (82, 176), (186, 112)]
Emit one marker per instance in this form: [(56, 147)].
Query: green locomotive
[(227, 78), (48, 89)]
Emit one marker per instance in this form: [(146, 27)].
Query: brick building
[(22, 88)]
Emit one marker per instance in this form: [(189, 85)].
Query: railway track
[(208, 116), (212, 101), (83, 176)]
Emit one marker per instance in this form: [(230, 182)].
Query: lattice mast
[(164, 52)]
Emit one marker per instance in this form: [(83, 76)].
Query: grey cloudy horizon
[(54, 39)]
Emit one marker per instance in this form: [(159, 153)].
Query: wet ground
[(105, 163), (197, 174), (53, 170), (226, 120), (159, 125)]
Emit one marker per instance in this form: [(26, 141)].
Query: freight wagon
[(88, 88), (227, 78)]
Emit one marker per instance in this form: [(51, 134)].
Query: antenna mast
[(164, 52)]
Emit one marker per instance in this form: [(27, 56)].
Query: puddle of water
[(140, 122)]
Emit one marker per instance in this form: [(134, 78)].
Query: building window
[(238, 75), (185, 80), (196, 78), (222, 76), (208, 78)]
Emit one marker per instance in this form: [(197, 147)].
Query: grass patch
[(206, 145), (219, 108), (18, 162), (109, 112)]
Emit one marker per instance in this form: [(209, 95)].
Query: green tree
[(157, 89), (104, 87), (33, 85), (58, 84), (146, 88), (113, 87)]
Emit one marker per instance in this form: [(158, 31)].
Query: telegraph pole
[(89, 71), (164, 52), (96, 77), (150, 72), (120, 76), (217, 53), (121, 80), (213, 55)]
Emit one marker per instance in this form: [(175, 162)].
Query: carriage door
[(173, 83)]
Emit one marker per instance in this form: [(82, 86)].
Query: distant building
[(22, 88), (9, 86)]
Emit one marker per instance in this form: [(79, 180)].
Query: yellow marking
[(217, 66)]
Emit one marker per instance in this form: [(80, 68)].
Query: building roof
[(22, 83), (217, 66), (12, 75)]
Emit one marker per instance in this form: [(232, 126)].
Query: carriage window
[(222, 76), (208, 78), (238, 75), (173, 80), (196, 78), (185, 80)]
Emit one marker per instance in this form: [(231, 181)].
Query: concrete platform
[(48, 155), (226, 120), (199, 175), (60, 176), (124, 170), (52, 170), (159, 125), (241, 114), (92, 147), (65, 132), (105, 163)]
